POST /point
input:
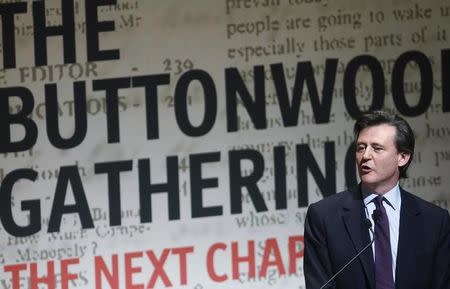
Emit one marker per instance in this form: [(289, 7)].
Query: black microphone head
[(376, 215), (368, 223)]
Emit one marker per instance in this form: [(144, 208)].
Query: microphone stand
[(369, 224)]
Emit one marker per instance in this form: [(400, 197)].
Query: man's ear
[(403, 158)]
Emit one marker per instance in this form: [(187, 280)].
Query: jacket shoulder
[(333, 202), (423, 206)]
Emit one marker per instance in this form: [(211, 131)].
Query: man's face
[(378, 159)]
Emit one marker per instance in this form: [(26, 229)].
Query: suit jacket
[(336, 230)]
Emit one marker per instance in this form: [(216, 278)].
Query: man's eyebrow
[(371, 144)]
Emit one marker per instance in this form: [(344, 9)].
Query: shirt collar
[(392, 196)]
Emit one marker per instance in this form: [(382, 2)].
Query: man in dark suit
[(403, 241)]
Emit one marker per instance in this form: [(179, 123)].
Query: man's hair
[(404, 136)]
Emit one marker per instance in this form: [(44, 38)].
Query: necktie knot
[(379, 202)]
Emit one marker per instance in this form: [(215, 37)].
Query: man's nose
[(367, 153)]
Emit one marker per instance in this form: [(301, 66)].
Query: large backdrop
[(155, 144)]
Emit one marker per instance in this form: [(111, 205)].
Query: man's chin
[(365, 175), (368, 180)]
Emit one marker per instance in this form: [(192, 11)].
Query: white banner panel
[(156, 144)]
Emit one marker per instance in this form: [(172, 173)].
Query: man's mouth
[(365, 169)]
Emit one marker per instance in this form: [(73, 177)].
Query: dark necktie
[(383, 254)]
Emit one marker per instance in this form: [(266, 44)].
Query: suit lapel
[(408, 232), (353, 218)]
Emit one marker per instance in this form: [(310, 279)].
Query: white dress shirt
[(392, 206)]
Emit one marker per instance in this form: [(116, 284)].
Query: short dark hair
[(404, 136)]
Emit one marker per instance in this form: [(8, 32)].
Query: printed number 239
[(177, 66)]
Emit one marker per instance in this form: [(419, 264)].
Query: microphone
[(369, 225), (376, 215)]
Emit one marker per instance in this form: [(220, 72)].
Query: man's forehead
[(382, 132)]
